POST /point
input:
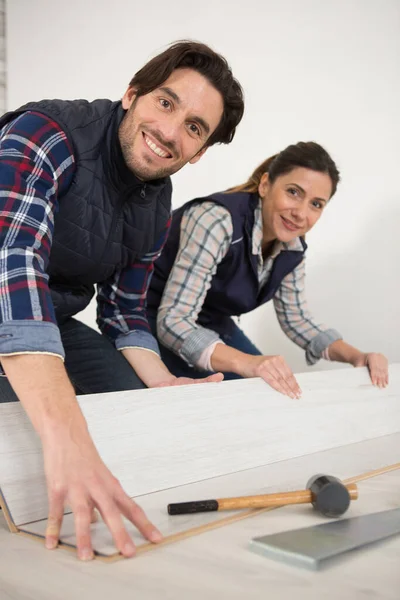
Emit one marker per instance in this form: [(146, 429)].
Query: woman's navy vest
[(107, 218), (235, 286)]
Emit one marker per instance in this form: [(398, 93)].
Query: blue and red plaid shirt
[(36, 167)]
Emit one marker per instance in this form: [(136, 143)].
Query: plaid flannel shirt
[(36, 167)]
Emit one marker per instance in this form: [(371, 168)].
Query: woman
[(233, 251)]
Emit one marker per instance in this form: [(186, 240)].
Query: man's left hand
[(174, 381)]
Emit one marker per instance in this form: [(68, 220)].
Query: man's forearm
[(148, 366), (75, 472), (45, 391)]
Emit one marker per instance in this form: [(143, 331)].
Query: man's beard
[(143, 168), (139, 166)]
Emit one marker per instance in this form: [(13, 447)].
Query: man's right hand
[(77, 476), (75, 473)]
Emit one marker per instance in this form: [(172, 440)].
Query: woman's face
[(293, 203)]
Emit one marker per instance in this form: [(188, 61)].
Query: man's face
[(169, 127)]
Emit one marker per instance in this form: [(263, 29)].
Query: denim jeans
[(92, 362), (235, 339)]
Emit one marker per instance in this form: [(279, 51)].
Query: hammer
[(326, 493)]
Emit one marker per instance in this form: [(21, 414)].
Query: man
[(86, 199)]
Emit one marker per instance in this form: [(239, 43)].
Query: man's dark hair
[(213, 66)]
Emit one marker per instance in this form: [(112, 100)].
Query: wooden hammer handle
[(259, 501), (280, 499)]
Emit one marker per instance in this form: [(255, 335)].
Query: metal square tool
[(313, 547)]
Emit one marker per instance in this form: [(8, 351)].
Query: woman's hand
[(378, 367), (274, 370)]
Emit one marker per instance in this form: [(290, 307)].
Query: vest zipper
[(118, 218), (115, 225)]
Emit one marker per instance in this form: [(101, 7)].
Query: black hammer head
[(329, 495)]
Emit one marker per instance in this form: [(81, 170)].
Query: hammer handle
[(259, 501), (280, 499)]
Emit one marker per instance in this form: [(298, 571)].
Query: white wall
[(327, 71)]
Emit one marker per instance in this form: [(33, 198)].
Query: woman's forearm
[(341, 351), (228, 360), (377, 364)]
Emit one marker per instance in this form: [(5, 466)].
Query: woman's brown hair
[(309, 155)]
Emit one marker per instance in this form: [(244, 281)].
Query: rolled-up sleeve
[(205, 237), (36, 163), (296, 320)]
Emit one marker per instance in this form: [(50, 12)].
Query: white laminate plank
[(217, 564), (342, 462), (160, 438)]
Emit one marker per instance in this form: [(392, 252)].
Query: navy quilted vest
[(235, 287), (107, 217)]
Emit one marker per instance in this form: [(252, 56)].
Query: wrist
[(358, 360), (226, 359), (159, 375), (245, 365), (163, 380), (148, 366), (67, 423), (341, 351)]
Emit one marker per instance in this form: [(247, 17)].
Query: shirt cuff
[(137, 339), (204, 361), (195, 344), (30, 337), (319, 343)]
